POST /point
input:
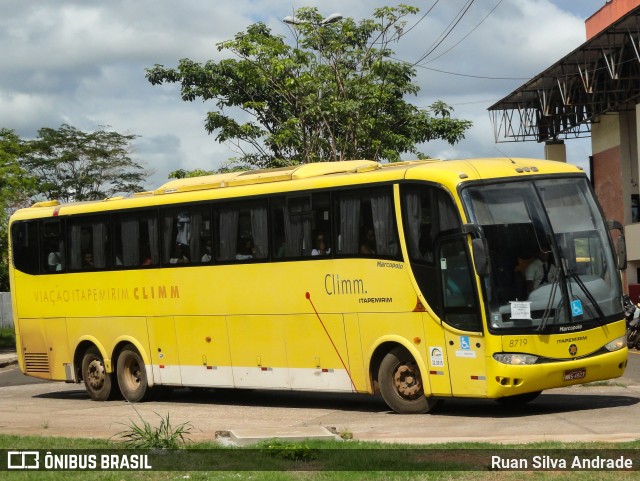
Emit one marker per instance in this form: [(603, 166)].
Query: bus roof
[(303, 177)]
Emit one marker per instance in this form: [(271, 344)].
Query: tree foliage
[(65, 164), (335, 93), (185, 174), (16, 186), (71, 165)]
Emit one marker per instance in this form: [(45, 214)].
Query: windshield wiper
[(588, 294), (547, 311)]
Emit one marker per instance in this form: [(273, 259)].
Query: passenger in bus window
[(320, 246), (146, 256), (87, 260), (54, 262), (206, 257), (179, 257), (368, 242), (246, 250)]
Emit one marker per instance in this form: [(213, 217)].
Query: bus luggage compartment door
[(165, 361)]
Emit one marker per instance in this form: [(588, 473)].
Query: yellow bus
[(412, 280)]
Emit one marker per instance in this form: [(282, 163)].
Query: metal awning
[(600, 76)]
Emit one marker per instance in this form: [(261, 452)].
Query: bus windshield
[(552, 266)]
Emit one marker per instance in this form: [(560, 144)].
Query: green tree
[(184, 174), (71, 165), (335, 93), (16, 186)]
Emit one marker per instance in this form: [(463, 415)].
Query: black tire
[(519, 399), (401, 385), (97, 381), (132, 375)]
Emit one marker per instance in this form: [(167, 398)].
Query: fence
[(6, 316)]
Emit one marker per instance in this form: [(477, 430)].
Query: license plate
[(574, 374)]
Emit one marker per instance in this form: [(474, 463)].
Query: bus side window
[(136, 240), (292, 227), (321, 226), (243, 232), (366, 223), (428, 212), (457, 284), (186, 235), (298, 223), (24, 241), (53, 246), (278, 231), (88, 240)]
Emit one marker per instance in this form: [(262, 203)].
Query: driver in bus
[(540, 271)]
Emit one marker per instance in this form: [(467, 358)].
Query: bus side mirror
[(621, 244), (480, 249)]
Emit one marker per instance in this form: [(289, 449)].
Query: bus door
[(165, 360), (460, 313)]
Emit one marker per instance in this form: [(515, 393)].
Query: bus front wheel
[(132, 375), (401, 385), (97, 380)]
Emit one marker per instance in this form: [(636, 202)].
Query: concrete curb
[(8, 359)]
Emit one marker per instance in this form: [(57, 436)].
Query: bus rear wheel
[(401, 385), (132, 375), (97, 380)]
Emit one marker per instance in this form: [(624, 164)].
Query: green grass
[(7, 337), (145, 436), (274, 455)]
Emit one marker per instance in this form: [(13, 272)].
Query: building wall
[(607, 166), (608, 13)]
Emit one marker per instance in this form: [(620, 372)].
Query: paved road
[(577, 413)]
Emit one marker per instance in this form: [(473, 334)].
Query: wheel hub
[(96, 374), (407, 381), (133, 374)]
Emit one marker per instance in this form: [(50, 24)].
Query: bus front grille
[(36, 362)]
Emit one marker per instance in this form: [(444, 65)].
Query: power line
[(470, 32), (447, 30), (472, 76), (421, 18)]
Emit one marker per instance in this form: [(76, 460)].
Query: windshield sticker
[(437, 359), (520, 310), (576, 308)]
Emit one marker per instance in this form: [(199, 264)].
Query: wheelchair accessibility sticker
[(465, 348), (576, 308)]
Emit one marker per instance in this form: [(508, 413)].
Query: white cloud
[(83, 62)]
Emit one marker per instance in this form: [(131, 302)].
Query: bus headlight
[(616, 344), (515, 359)]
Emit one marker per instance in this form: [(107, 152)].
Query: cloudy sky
[(82, 62)]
